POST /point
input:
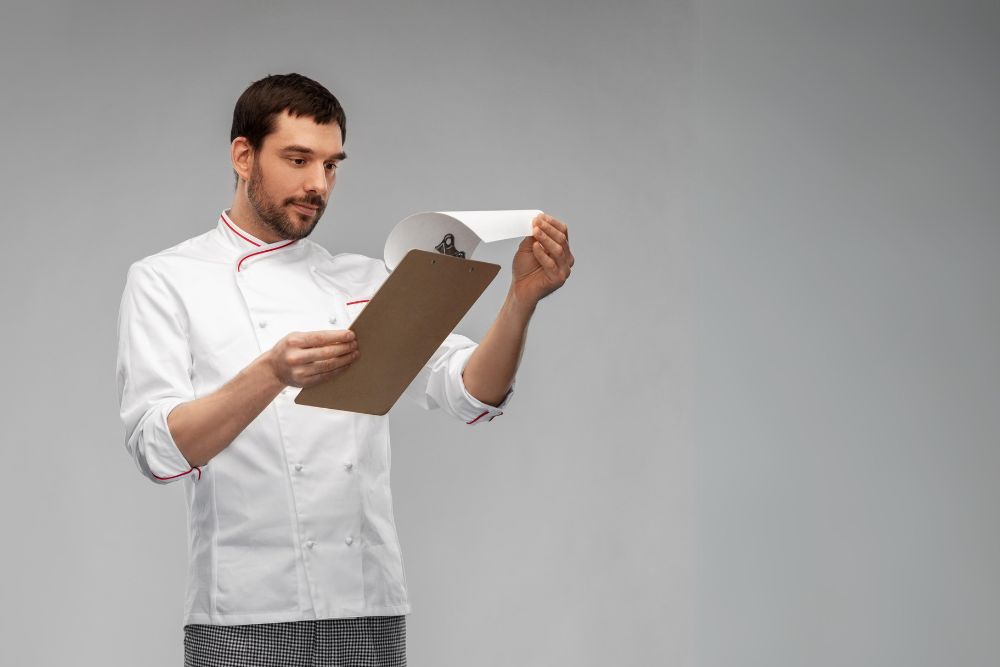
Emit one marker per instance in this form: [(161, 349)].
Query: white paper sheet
[(454, 232)]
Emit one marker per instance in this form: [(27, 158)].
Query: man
[(294, 557)]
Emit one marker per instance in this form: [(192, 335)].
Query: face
[(293, 174)]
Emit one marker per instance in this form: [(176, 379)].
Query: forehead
[(304, 131)]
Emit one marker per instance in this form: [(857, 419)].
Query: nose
[(319, 182)]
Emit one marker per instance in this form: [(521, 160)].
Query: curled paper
[(456, 233)]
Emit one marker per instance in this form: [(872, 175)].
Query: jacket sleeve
[(439, 384), (153, 374)]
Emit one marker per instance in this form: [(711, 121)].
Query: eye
[(297, 161), (332, 166)]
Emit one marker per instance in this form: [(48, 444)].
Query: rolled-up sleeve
[(440, 384), (153, 374)]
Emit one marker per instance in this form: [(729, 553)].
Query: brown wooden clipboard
[(419, 304)]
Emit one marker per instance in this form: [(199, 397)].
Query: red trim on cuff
[(351, 303), (477, 418), (188, 471)]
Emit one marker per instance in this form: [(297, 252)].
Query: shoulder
[(177, 260)]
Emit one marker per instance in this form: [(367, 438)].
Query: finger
[(319, 378), (556, 251), (327, 366), (302, 356), (554, 232), (314, 354), (526, 243), (322, 338), (548, 264), (563, 240), (558, 224)]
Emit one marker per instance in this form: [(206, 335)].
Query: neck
[(243, 215)]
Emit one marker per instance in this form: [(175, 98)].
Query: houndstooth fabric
[(368, 641)]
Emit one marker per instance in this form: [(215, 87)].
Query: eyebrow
[(308, 151)]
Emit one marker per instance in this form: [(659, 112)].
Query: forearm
[(492, 367), (205, 426)]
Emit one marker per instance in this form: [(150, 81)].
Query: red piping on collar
[(351, 303), (235, 231), (261, 252)]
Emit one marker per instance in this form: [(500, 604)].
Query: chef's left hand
[(543, 261)]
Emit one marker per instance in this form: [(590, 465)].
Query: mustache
[(316, 202)]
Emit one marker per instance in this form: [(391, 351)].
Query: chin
[(307, 228)]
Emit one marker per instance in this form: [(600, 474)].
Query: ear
[(242, 156)]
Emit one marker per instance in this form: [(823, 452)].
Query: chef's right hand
[(302, 359)]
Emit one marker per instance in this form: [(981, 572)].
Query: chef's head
[(287, 141)]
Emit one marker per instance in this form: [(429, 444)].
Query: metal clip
[(447, 247)]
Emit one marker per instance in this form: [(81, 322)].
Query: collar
[(243, 243)]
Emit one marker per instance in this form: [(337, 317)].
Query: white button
[(349, 465), (285, 391), (333, 319), (310, 544), (349, 540), (262, 324), (298, 466)]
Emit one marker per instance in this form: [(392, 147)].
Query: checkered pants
[(368, 641)]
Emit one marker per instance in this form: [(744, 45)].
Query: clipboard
[(419, 304)]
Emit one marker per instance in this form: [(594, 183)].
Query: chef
[(294, 556)]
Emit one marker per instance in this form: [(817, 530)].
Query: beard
[(276, 216)]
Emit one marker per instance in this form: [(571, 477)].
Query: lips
[(307, 210)]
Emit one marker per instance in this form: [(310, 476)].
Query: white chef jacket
[(293, 520)]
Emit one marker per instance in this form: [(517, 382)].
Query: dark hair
[(259, 104)]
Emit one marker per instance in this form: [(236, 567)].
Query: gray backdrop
[(848, 320), (758, 426)]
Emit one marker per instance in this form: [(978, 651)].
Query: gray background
[(848, 325), (757, 427)]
